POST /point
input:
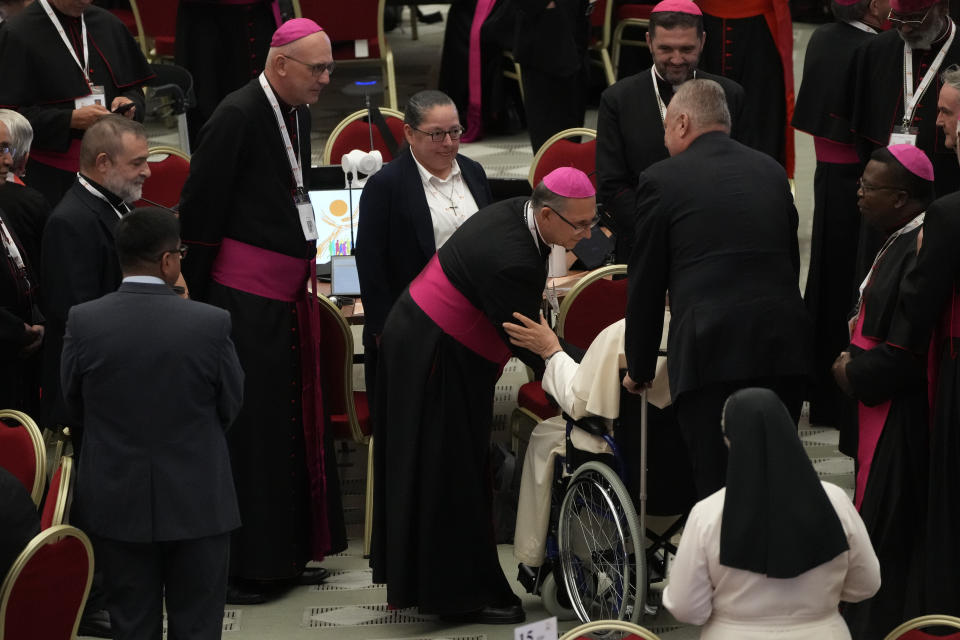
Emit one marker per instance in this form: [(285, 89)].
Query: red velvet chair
[(349, 410), (595, 302), (912, 629), (353, 132), (635, 16), (156, 27), (46, 588), (357, 27), (22, 451), (600, 19), (560, 151), (56, 506), (169, 169)]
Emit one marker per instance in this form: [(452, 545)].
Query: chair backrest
[(156, 25), (560, 151), (353, 132), (56, 506), (346, 22), (911, 629), (630, 629), (22, 451), (336, 373), (47, 586), (593, 304), (169, 169), (600, 21)]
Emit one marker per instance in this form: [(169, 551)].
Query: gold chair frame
[(386, 54), (584, 282), (47, 536), (603, 45), (619, 41), (63, 495), (932, 620), (39, 450), (355, 432), (609, 625), (560, 135), (171, 151), (353, 117)]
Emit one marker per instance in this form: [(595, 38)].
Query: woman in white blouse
[(775, 552)]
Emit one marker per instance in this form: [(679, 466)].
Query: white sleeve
[(689, 593), (863, 570), (558, 380)]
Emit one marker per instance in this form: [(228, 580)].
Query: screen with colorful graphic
[(331, 208)]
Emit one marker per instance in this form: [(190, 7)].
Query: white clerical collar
[(426, 176), (143, 280)]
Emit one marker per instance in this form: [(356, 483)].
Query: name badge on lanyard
[(906, 134), (97, 96), (300, 199)]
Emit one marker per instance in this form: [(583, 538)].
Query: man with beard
[(79, 261), (824, 94), (630, 120), (895, 96)]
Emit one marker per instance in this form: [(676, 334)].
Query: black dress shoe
[(95, 624), (238, 594), (511, 614), (318, 575)]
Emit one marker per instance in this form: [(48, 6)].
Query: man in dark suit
[(718, 228), (410, 208), (630, 118), (78, 258), (156, 380)]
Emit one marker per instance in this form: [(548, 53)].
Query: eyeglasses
[(579, 228), (316, 69), (6, 148), (182, 250), (897, 20), (866, 186), (438, 136)]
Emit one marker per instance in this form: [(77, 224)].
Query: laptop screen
[(331, 209), (344, 279)]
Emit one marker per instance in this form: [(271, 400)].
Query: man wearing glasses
[(441, 353), (719, 228), (248, 222), (896, 85)]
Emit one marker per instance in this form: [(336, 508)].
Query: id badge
[(904, 135), (97, 96), (307, 221)]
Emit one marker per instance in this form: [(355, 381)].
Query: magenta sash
[(277, 276), (834, 152), (475, 73), (455, 315), (871, 420)]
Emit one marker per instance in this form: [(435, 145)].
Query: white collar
[(426, 176)]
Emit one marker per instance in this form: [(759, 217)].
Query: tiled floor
[(349, 606)]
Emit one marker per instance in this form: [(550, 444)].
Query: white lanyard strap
[(907, 228), (12, 250), (656, 92), (911, 99), (95, 193), (281, 122), (63, 36), (862, 26)]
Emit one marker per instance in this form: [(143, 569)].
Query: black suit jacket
[(157, 380), (78, 263), (630, 139), (395, 232), (718, 229)]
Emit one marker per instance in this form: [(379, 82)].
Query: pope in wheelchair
[(596, 495)]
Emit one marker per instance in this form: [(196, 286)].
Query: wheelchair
[(600, 556)]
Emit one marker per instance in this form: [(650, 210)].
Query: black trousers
[(699, 413), (553, 103), (191, 575)]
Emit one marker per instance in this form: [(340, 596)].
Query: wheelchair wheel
[(601, 550), (554, 600)]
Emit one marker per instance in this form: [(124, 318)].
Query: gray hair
[(704, 102), (105, 136), (21, 137), (423, 101), (951, 76), (543, 197)]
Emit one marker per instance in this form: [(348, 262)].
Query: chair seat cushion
[(340, 422), (533, 398)]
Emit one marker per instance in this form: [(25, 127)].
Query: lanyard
[(862, 26), (63, 36), (12, 250), (656, 92), (910, 100), (93, 191), (291, 156), (910, 226)]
